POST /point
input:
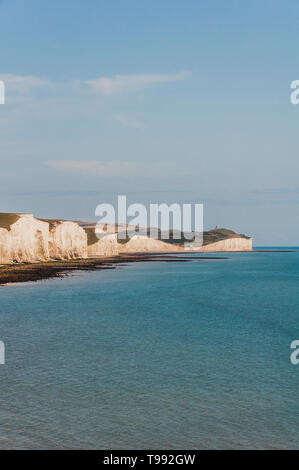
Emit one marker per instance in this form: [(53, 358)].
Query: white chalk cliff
[(229, 244), (143, 244), (106, 245), (67, 240), (24, 238)]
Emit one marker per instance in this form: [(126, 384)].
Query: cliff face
[(106, 246), (24, 240), (66, 240), (5, 247), (142, 244), (230, 244), (213, 240), (29, 239)]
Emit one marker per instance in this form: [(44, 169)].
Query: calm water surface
[(154, 355)]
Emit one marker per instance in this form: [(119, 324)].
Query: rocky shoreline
[(28, 272)]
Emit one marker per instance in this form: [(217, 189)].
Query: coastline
[(30, 272)]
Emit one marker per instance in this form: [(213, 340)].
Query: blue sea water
[(173, 355)]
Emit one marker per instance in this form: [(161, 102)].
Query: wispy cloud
[(91, 167), (122, 84), (114, 168), (20, 87), (23, 84)]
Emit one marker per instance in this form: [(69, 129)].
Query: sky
[(163, 101)]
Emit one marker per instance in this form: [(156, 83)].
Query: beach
[(28, 272)]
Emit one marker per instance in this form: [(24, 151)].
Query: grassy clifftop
[(219, 234), (175, 236), (91, 235), (209, 236), (7, 220)]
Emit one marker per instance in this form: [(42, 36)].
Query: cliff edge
[(24, 238)]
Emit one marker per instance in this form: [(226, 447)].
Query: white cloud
[(129, 83), (23, 84), (19, 87), (92, 167)]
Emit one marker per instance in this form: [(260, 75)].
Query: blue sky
[(165, 101)]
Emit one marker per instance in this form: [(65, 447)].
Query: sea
[(154, 355)]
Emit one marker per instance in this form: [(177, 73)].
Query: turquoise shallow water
[(154, 355)]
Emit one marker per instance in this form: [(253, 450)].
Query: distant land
[(26, 239)]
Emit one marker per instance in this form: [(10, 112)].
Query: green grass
[(91, 235), (7, 220), (175, 237)]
